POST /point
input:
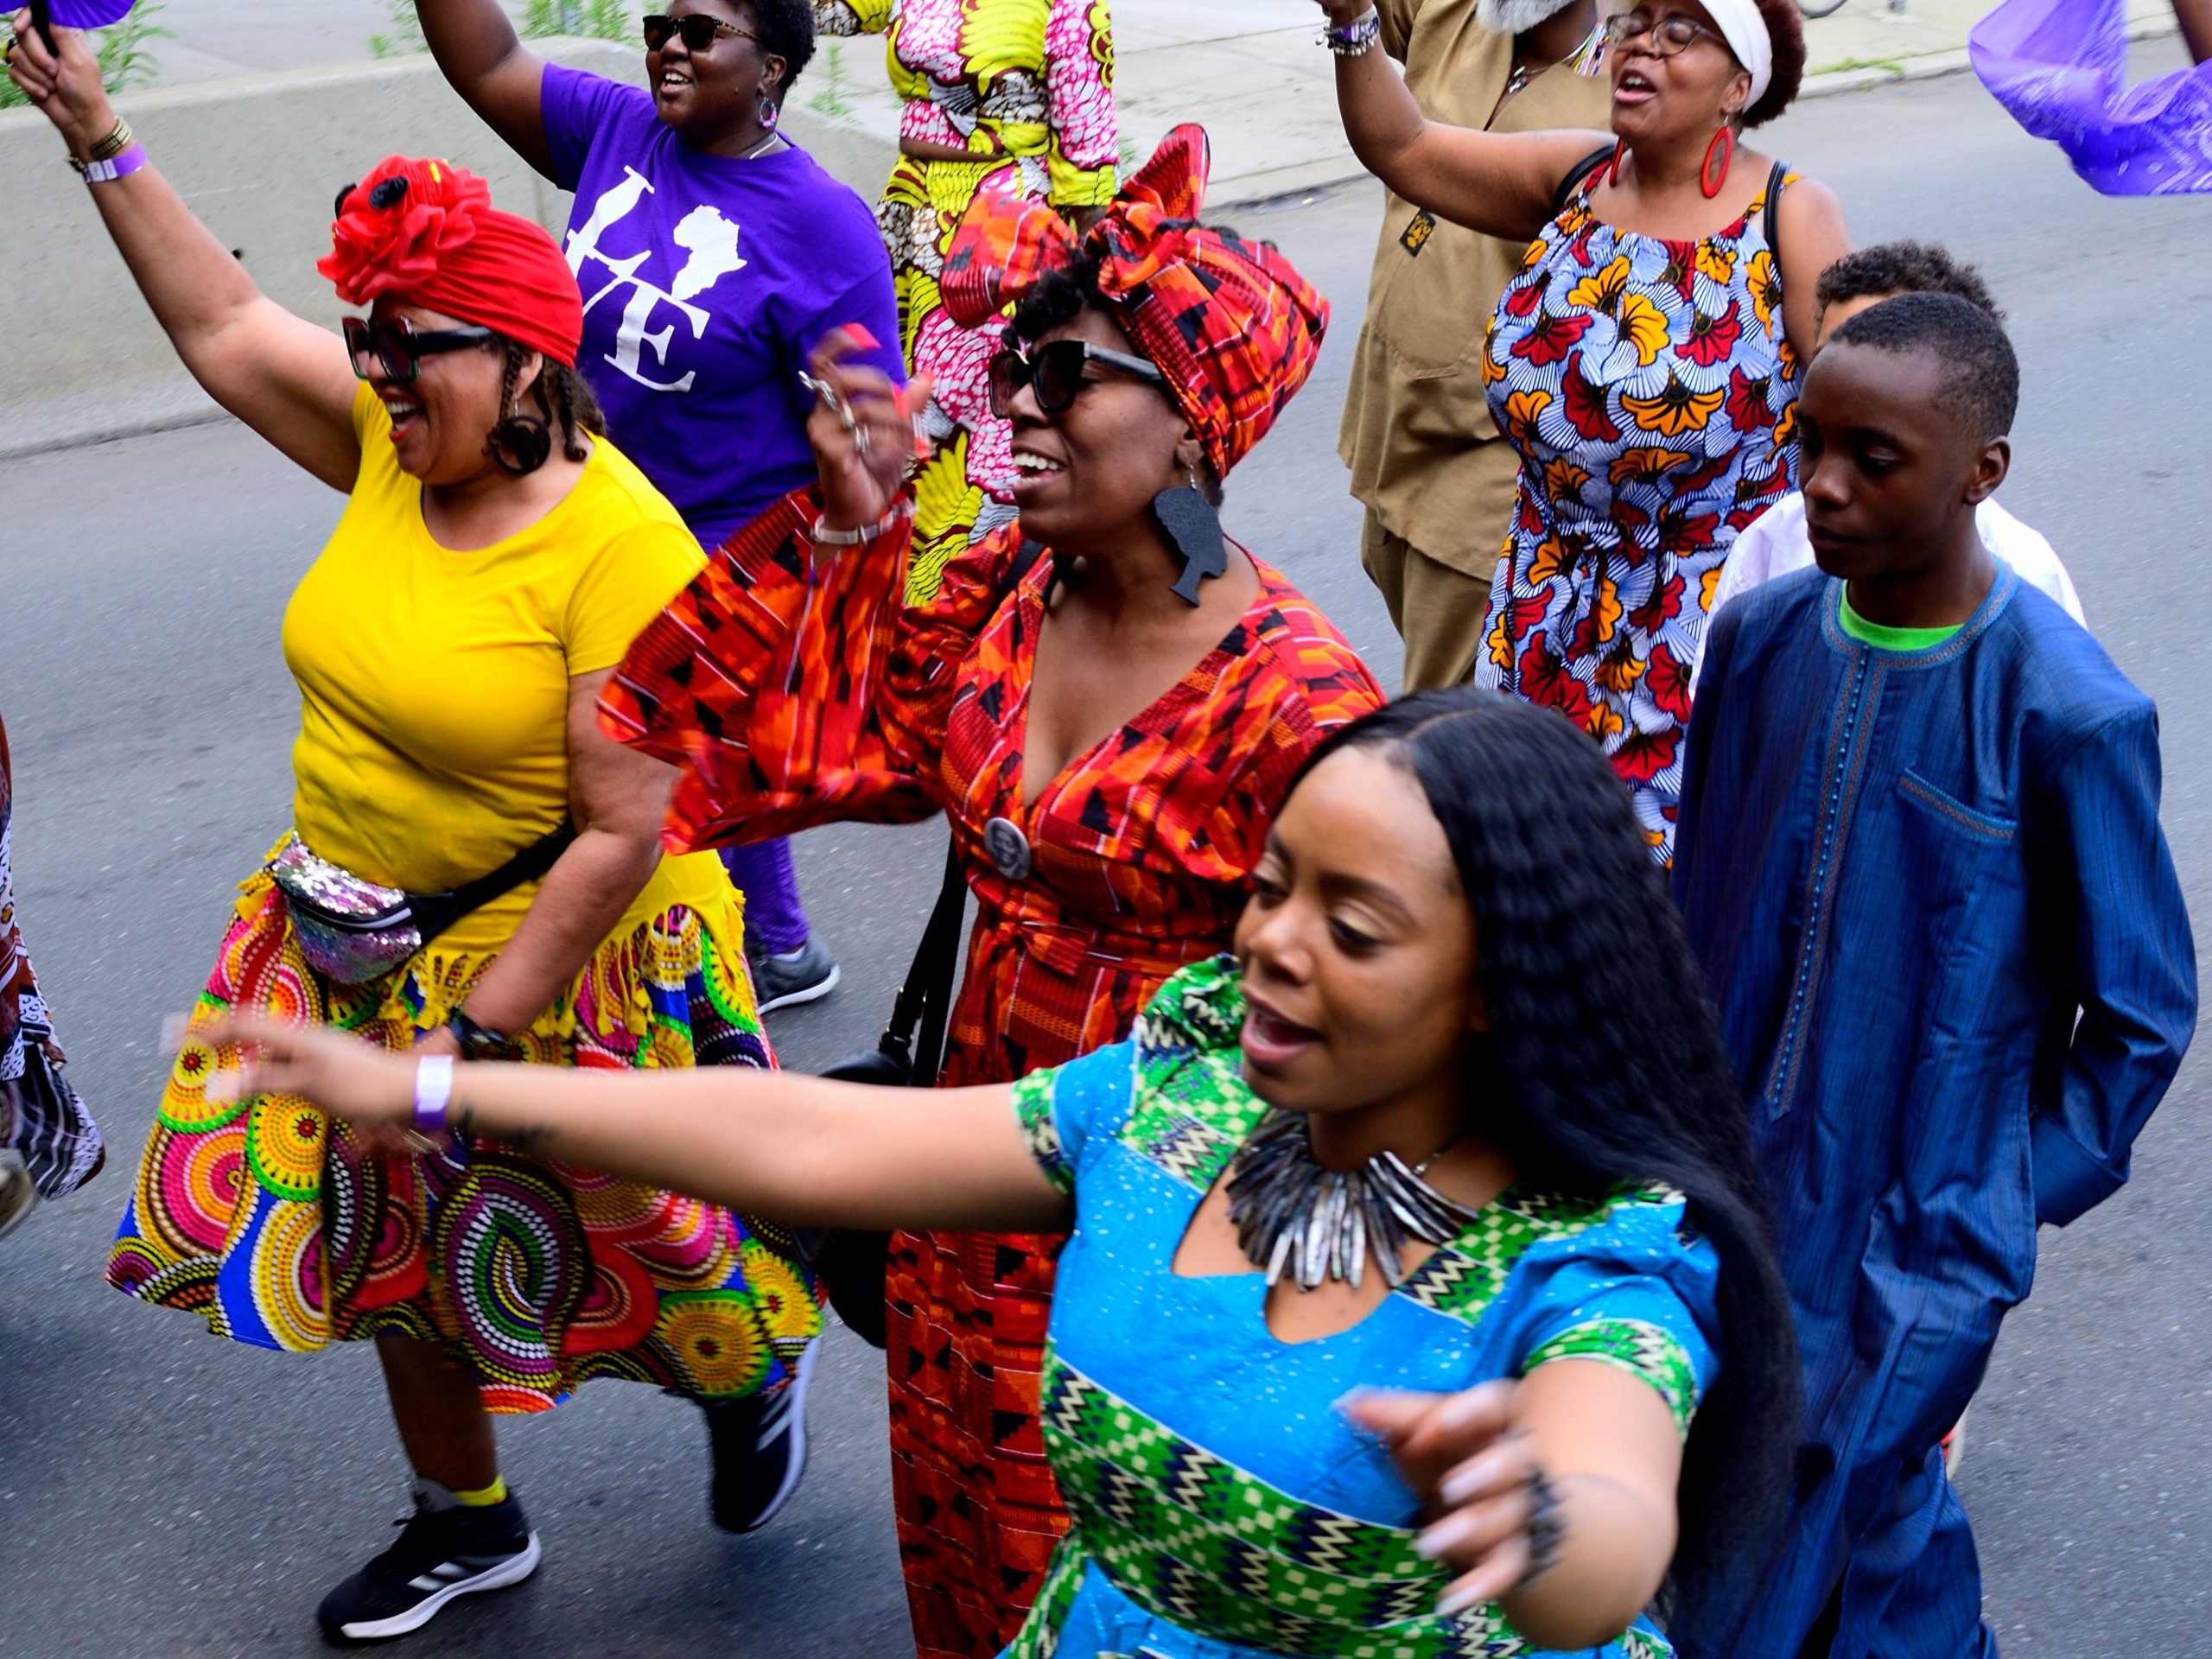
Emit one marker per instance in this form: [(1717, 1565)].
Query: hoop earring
[(1721, 153), (769, 114), (519, 445)]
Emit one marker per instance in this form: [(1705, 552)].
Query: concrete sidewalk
[(1249, 69)]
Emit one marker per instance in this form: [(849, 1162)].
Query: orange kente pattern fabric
[(794, 689)]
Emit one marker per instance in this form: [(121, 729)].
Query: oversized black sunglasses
[(699, 31), (1054, 373), (397, 346)]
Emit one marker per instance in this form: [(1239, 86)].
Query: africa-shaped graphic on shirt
[(709, 243)]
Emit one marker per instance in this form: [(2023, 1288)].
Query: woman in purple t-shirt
[(713, 254)]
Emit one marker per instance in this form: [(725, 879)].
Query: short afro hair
[(1062, 295), (1890, 269), (1981, 372), (787, 31), (1788, 34)]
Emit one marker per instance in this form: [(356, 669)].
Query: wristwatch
[(478, 1042)]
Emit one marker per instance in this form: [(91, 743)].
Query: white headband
[(1746, 31)]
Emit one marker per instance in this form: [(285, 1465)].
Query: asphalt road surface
[(165, 1494)]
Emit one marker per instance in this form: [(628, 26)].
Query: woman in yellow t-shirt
[(496, 556)]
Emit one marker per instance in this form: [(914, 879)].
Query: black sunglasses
[(397, 346), (1054, 373), (699, 31)]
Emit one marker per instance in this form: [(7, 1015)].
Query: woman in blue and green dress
[(1450, 1141)]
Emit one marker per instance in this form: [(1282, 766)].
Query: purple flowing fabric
[(2060, 67), (88, 13)]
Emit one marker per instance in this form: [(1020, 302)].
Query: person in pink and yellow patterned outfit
[(1017, 94)]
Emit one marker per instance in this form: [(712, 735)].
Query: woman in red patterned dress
[(1108, 750)]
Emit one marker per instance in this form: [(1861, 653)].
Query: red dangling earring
[(1612, 168), (1717, 154)]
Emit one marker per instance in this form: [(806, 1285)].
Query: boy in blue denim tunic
[(1920, 859)]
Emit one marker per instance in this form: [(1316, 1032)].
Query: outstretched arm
[(483, 60), (806, 1151), (1500, 184), (284, 376)]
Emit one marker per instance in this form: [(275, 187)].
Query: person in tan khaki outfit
[(1426, 460)]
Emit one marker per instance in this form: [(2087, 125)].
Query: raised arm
[(284, 376), (806, 1151), (483, 60), (1500, 184)]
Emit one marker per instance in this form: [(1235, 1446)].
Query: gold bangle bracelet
[(115, 144)]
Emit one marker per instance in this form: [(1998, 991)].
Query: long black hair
[(1604, 1067)]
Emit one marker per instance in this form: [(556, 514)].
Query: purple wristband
[(116, 167), (433, 1090)]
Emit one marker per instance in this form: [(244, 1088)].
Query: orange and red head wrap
[(426, 232), (1231, 325)]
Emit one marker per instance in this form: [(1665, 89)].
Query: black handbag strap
[(1582, 170), (434, 912), (918, 1016), (923, 1005), (1770, 223)]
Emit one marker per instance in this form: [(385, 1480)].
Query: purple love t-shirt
[(706, 281)]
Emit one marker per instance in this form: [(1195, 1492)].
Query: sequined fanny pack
[(353, 930)]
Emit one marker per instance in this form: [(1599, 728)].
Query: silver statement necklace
[(1294, 1217)]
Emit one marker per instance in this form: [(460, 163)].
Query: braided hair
[(563, 397), (1605, 1066)]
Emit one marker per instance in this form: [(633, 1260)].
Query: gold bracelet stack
[(119, 139)]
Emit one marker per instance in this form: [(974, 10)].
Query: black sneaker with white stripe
[(445, 1551), (759, 1450)]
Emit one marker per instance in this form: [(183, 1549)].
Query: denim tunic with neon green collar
[(1221, 1507)]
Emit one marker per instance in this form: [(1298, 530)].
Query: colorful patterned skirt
[(962, 494), (264, 1218)]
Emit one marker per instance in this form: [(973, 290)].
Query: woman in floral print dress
[(1645, 361), (1109, 756), (1015, 96)]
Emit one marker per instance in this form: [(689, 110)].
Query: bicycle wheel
[(1819, 8)]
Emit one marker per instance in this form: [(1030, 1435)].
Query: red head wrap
[(427, 232), (1232, 326)]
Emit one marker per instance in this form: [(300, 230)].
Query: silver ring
[(826, 394)]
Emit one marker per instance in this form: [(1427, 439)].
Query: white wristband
[(433, 1090)]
